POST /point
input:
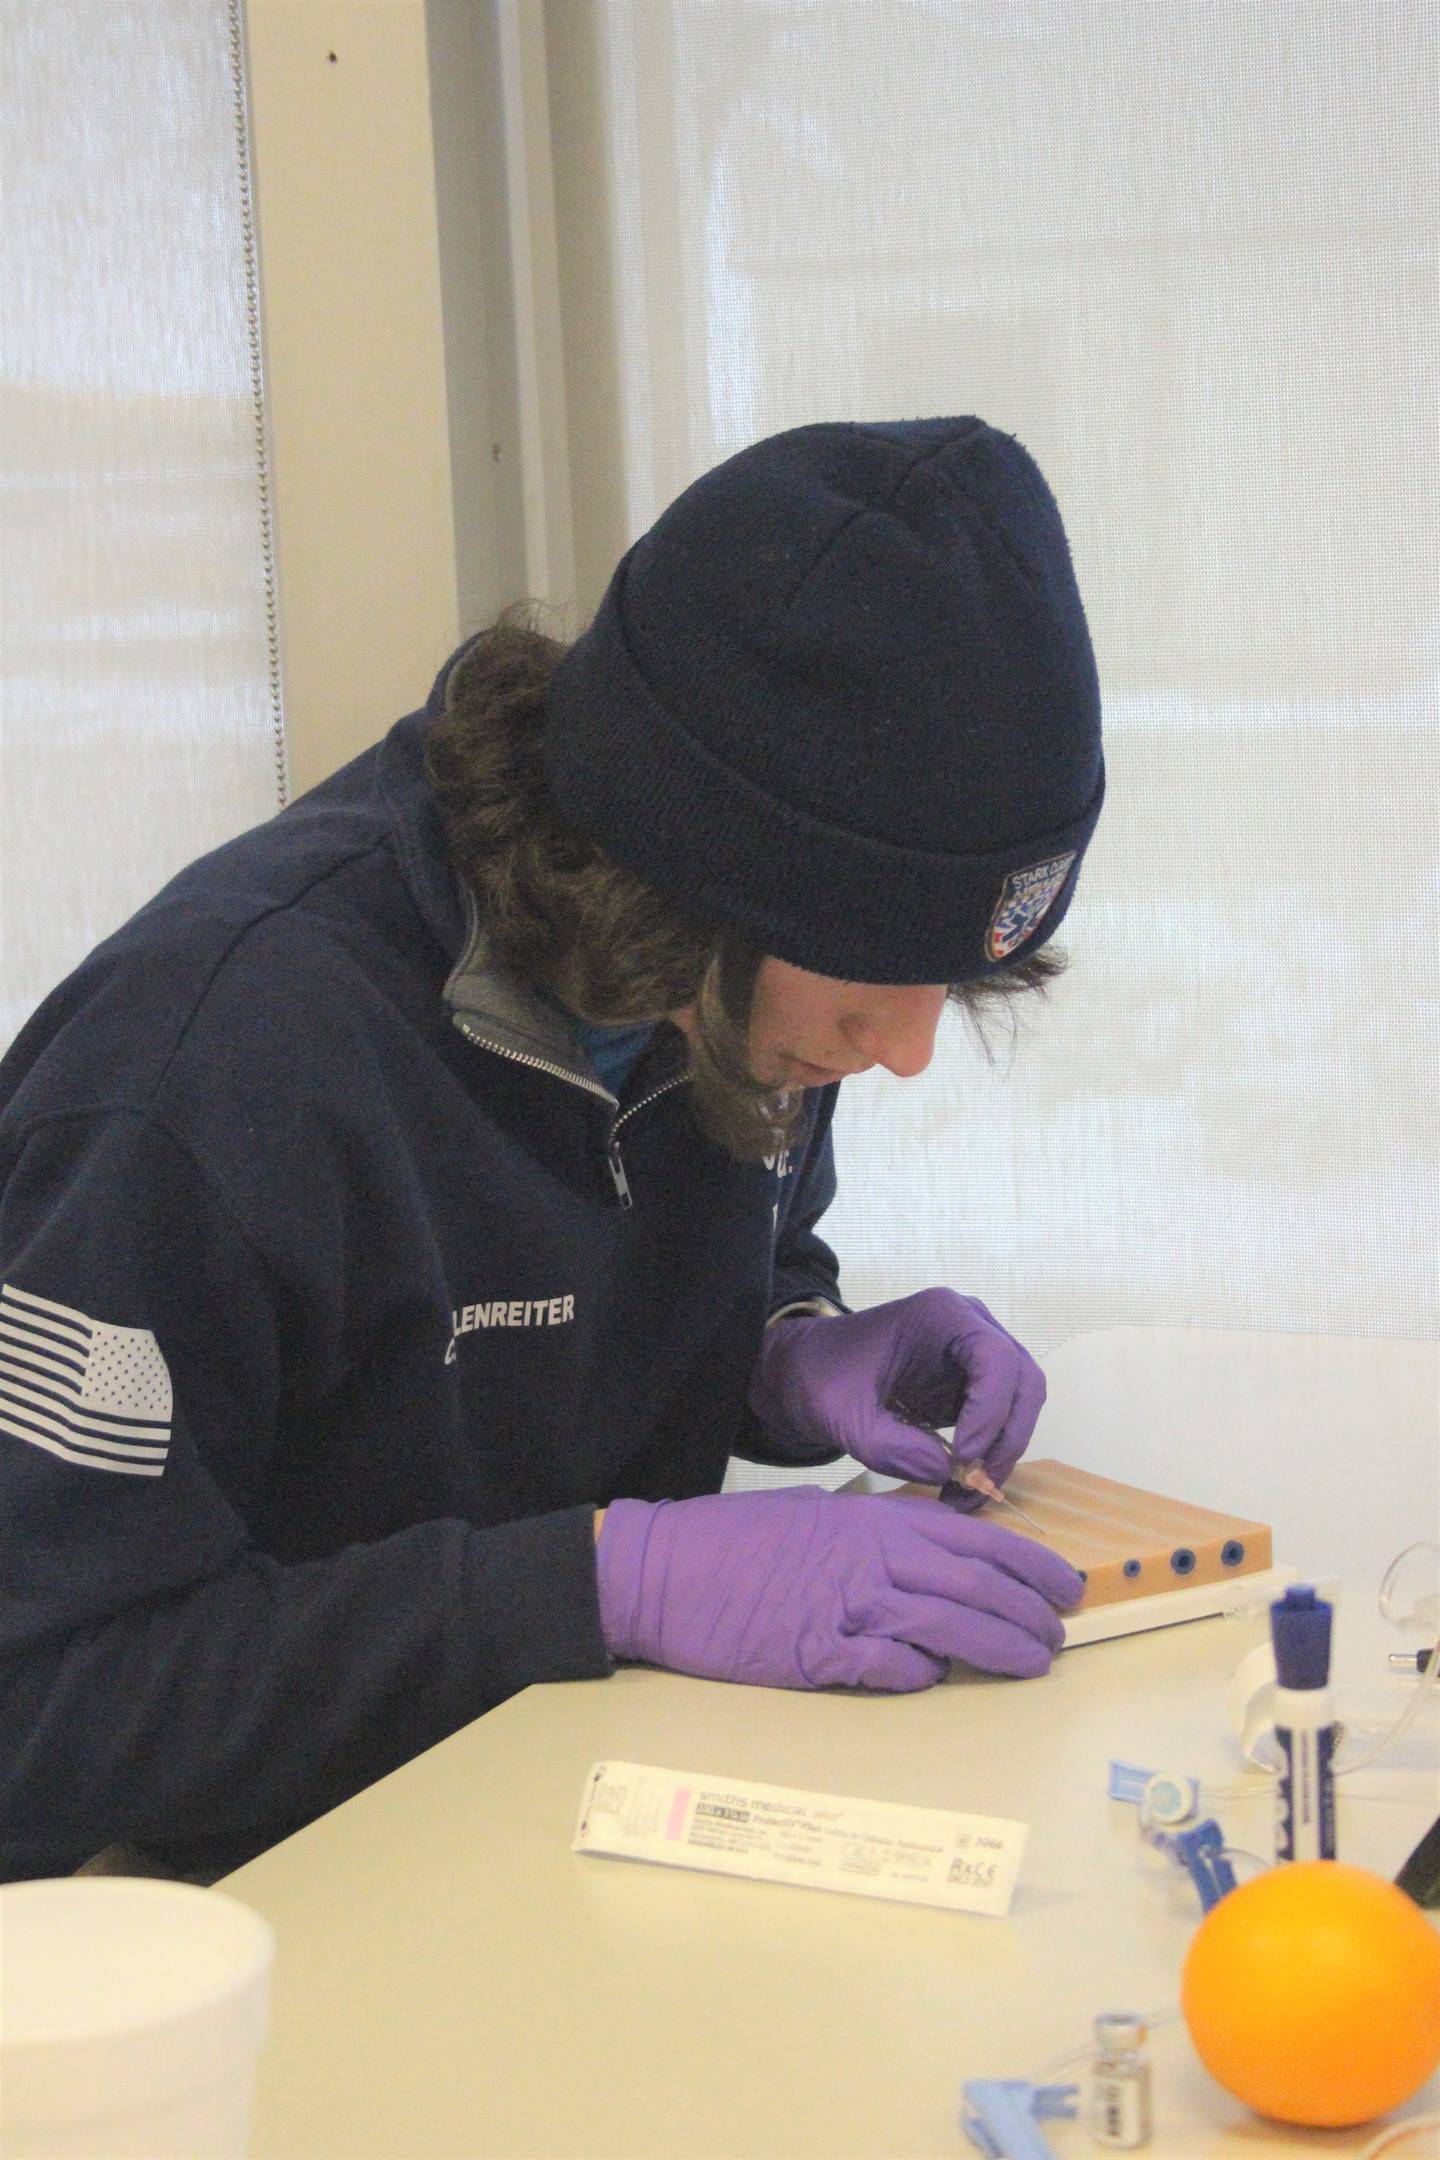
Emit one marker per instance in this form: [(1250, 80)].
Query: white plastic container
[(132, 2015)]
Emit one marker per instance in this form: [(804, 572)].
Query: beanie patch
[(1026, 898)]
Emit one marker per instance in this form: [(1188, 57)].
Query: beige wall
[(417, 395), (350, 275)]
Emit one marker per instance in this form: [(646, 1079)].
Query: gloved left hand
[(852, 1383)]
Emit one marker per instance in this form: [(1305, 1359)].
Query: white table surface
[(452, 1980)]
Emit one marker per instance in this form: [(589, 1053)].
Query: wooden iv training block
[(1128, 1543)]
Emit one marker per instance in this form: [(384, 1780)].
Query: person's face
[(806, 1030)]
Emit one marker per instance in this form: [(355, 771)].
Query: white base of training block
[(1192, 1601)]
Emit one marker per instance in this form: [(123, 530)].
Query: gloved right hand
[(805, 1588)]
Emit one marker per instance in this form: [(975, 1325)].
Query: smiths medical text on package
[(776, 1833)]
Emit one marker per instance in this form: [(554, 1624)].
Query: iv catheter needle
[(974, 1474), (979, 1481)]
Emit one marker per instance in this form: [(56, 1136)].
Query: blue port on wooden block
[(1131, 1543)]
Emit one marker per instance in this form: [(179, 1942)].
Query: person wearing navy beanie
[(842, 699), (406, 1216), (842, 696)]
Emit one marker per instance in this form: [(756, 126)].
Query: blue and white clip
[(1163, 1796), (999, 2116), (1202, 1851)]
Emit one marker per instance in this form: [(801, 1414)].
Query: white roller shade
[(1187, 252), (140, 664)]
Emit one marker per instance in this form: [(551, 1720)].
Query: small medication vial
[(1120, 2083)]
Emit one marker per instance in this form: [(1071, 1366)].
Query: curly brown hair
[(560, 912)]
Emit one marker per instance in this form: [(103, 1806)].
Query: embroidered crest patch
[(1026, 898)]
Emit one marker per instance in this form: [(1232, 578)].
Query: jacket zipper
[(613, 1160), (612, 1152)]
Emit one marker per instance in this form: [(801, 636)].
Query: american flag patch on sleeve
[(90, 1393)]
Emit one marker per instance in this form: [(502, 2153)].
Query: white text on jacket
[(508, 1313), (514, 1312)]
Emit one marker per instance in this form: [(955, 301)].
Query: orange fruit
[(1312, 1993)]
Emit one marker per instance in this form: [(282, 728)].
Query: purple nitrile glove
[(803, 1588), (863, 1381)]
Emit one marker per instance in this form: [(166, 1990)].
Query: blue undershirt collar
[(613, 1051)]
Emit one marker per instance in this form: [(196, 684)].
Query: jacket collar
[(486, 999), (503, 1007)]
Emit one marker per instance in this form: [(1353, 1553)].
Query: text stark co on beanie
[(841, 697)]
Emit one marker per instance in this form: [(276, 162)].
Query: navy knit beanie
[(841, 697)]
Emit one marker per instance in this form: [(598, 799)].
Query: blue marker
[(1304, 1726)]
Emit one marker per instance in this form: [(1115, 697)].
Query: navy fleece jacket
[(338, 1292)]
